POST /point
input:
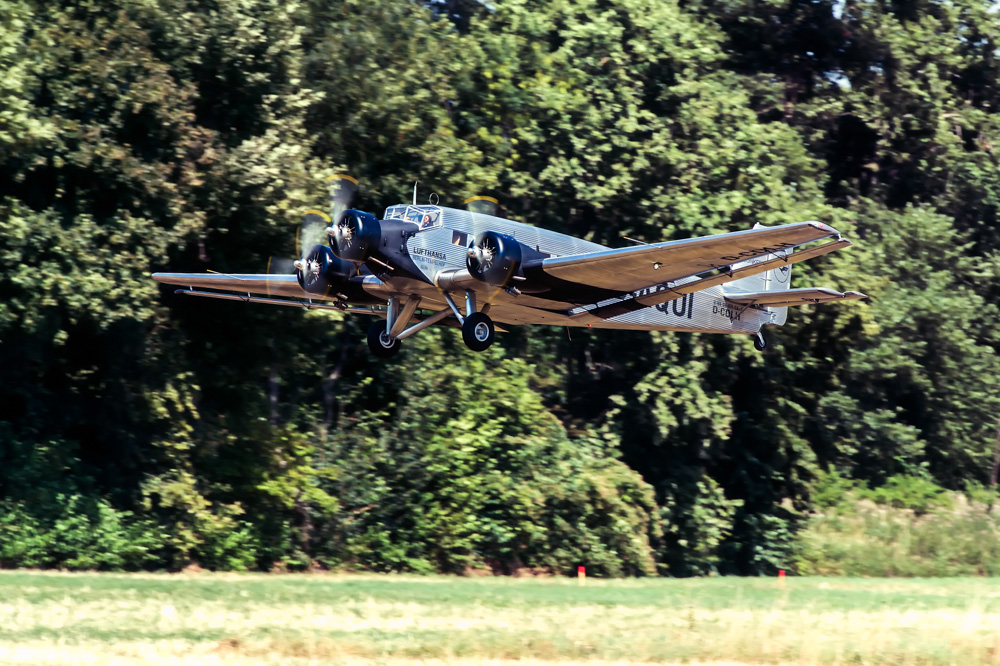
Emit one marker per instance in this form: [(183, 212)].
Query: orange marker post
[(781, 578), (581, 575)]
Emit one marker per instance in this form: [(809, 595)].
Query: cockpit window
[(428, 217)]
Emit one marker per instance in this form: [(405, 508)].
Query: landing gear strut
[(477, 328), (478, 331)]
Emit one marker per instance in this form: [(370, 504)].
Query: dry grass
[(209, 619), (160, 655)]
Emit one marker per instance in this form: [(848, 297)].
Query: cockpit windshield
[(428, 217)]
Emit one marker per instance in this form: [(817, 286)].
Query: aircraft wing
[(633, 268), (246, 283), (789, 297)]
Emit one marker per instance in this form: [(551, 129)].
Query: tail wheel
[(759, 342), (379, 342), (478, 332)]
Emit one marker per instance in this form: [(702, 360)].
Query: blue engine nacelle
[(321, 272), (356, 235), (494, 258)]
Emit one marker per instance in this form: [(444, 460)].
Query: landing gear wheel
[(478, 332), (759, 343), (380, 343)]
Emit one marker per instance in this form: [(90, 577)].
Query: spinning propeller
[(481, 204), (482, 253), (317, 267), (344, 232), (342, 191), (314, 259)]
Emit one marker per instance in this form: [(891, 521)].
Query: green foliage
[(393, 108), (859, 538), (644, 134), (977, 493), (917, 493), (695, 529), (468, 469), (909, 526), (830, 490), (916, 391), (147, 154), (81, 536), (198, 532)]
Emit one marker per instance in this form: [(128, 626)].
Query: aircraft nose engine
[(494, 258), (319, 271), (355, 236)]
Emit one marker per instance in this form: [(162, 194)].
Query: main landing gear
[(384, 338), (379, 341), (478, 332)]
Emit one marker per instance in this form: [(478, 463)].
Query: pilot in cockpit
[(424, 219)]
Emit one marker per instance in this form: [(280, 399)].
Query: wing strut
[(424, 322), (307, 305)]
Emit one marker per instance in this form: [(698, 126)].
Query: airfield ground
[(229, 619)]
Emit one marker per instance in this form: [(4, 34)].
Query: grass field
[(207, 619)]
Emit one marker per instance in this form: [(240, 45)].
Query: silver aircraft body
[(421, 265)]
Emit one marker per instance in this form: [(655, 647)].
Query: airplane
[(421, 265)]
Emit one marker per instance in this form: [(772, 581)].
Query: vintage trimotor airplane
[(411, 266)]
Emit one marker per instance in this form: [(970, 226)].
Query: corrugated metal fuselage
[(421, 257)]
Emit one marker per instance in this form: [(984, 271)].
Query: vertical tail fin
[(774, 279)]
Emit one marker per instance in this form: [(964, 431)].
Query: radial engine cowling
[(321, 272), (494, 258), (355, 236)]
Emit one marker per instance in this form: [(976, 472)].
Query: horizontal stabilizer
[(789, 297)]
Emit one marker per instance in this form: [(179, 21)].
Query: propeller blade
[(312, 231), (481, 204), (342, 191), (278, 266)]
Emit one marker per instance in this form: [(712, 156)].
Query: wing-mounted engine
[(494, 258), (355, 236), (320, 271)]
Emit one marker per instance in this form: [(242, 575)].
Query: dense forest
[(143, 430)]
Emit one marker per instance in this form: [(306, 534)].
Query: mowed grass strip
[(55, 618)]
